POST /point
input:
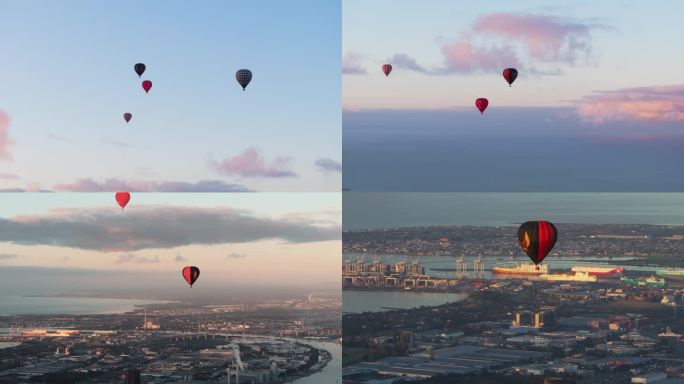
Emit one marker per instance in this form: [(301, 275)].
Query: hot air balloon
[(510, 74), (243, 77), (139, 69), (122, 198), (386, 69), (481, 104), (147, 85), (537, 238), (190, 274), (127, 117)]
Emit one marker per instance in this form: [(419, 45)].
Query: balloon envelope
[(243, 77), (537, 238), (510, 74), (190, 274), (481, 104), (386, 69), (127, 117), (139, 69), (122, 198), (147, 85)]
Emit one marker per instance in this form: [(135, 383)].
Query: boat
[(598, 271), (521, 269), (650, 282), (671, 273), (578, 276)]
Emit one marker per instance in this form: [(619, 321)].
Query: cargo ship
[(577, 276), (650, 282), (599, 271), (673, 274), (521, 269)]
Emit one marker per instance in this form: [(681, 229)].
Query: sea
[(378, 210), (47, 305)]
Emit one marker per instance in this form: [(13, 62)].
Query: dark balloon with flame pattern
[(537, 239), (190, 274), (510, 74)]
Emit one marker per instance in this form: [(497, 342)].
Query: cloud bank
[(113, 185), (110, 230), (135, 259), (653, 103)]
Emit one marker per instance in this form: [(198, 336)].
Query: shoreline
[(400, 289), (132, 305)]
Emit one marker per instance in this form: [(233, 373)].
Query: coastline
[(72, 305)]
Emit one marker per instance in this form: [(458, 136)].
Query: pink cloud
[(251, 163), (463, 56), (546, 38), (5, 141), (112, 185), (657, 103), (499, 40)]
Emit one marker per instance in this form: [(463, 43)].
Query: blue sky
[(67, 78), (598, 104)]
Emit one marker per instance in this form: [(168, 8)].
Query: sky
[(598, 104), (67, 79), (264, 239)]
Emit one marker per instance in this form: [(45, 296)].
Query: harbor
[(471, 273)]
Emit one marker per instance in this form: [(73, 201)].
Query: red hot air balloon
[(147, 85), (481, 104), (127, 117), (122, 198), (537, 238), (510, 74), (386, 69), (190, 274)]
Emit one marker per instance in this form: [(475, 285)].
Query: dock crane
[(236, 364)]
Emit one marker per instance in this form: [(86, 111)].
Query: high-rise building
[(133, 376), (522, 319), (545, 317)]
